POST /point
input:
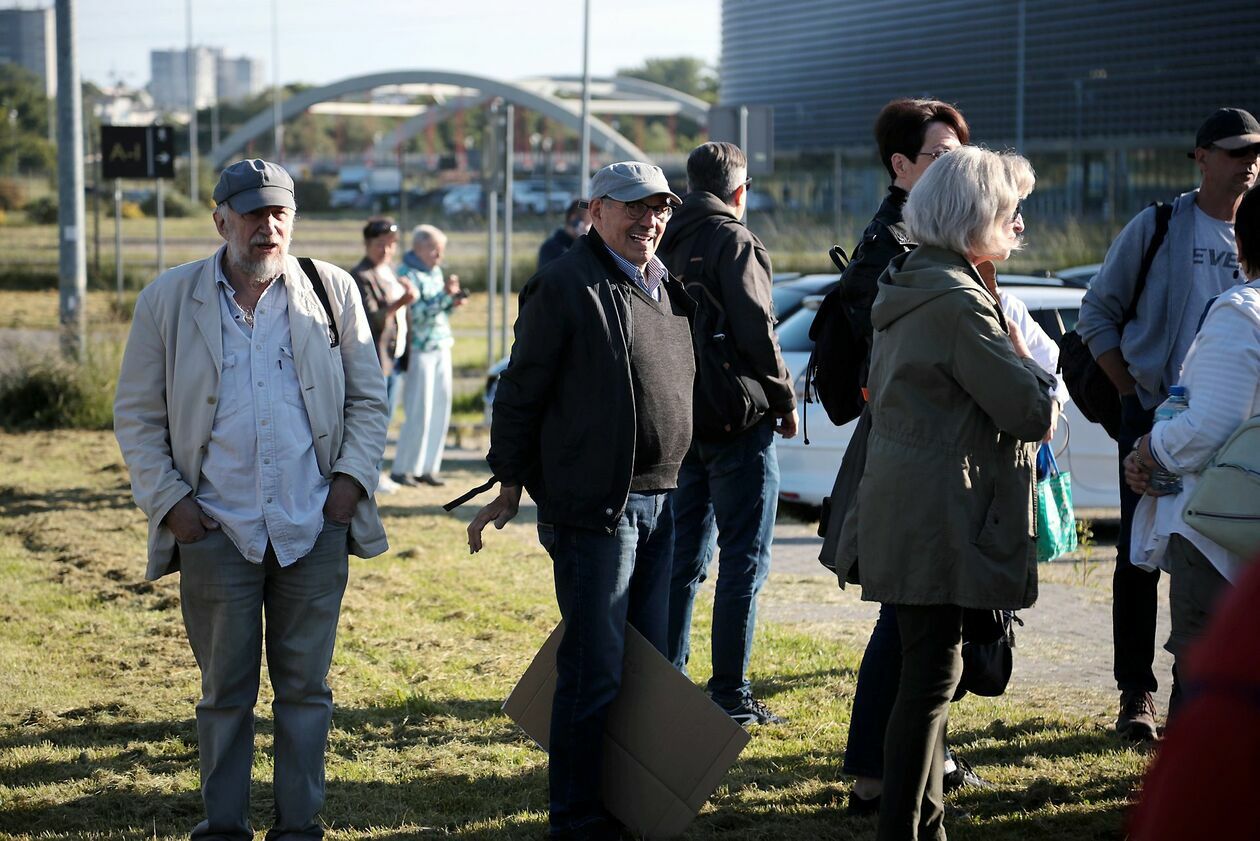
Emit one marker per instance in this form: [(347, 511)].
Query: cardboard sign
[(666, 744)]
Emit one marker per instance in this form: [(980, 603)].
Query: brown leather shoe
[(1136, 721)]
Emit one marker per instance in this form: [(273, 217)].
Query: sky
[(322, 41)]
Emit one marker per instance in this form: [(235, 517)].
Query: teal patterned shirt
[(430, 324)]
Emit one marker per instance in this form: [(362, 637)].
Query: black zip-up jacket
[(884, 238), (564, 414), (737, 271)]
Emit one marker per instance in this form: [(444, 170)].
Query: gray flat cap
[(250, 184), (631, 181)]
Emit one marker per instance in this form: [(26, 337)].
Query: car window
[(794, 332), (787, 299)]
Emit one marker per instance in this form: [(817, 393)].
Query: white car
[(1083, 448)]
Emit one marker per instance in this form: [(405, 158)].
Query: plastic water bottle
[(1177, 402)]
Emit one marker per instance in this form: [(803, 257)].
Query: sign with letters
[(137, 152)]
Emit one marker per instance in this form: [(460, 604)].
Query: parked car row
[(807, 471)]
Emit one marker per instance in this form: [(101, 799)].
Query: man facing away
[(593, 416), (728, 490), (577, 221), (1197, 261), (251, 424)]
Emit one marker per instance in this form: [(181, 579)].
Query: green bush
[(312, 196), (12, 194), (46, 393), (175, 206), (42, 211)]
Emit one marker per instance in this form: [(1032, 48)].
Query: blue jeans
[(727, 497), (224, 598), (877, 682), (602, 581)]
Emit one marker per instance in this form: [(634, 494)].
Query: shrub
[(42, 211), (175, 206), (312, 196), (47, 393), (12, 194), (131, 210)]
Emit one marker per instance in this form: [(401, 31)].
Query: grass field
[(97, 688)]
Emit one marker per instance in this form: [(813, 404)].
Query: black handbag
[(988, 638)]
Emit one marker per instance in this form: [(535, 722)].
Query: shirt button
[(268, 499), (266, 461), (260, 383), (608, 511), (257, 347), (262, 422), (212, 400)]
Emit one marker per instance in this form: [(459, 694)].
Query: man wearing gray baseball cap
[(593, 417), (251, 413)]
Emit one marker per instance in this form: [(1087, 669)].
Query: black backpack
[(1092, 390), (833, 373), (726, 400)]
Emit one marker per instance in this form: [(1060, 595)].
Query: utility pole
[(278, 128), (584, 177), (191, 64), (72, 273)]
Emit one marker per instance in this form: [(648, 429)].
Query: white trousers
[(426, 404)]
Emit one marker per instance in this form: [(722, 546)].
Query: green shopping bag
[(1056, 521)]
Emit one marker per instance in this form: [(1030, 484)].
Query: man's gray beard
[(259, 272)]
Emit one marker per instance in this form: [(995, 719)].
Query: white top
[(1221, 374), (1043, 348), (393, 289), (260, 478)]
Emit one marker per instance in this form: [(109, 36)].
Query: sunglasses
[(378, 229)]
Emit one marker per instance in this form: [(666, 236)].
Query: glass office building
[(1109, 91)]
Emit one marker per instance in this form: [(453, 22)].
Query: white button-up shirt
[(260, 478)]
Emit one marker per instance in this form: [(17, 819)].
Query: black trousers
[(1134, 591)]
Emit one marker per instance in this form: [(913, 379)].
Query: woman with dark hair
[(1221, 374), (911, 134), (943, 515)]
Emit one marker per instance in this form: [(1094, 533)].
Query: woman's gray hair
[(427, 233), (966, 198)]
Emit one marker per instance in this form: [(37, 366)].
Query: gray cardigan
[(1151, 341)]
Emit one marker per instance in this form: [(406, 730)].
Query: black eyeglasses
[(377, 229), (1019, 211), (936, 155), (636, 210), (1251, 151)]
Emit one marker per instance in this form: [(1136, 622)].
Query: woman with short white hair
[(943, 518)]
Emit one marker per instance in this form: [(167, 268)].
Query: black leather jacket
[(884, 238)]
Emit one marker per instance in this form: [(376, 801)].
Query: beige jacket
[(169, 384)]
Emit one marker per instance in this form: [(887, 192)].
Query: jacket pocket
[(1003, 535)]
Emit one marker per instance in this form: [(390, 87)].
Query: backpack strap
[(1163, 213), (308, 266)]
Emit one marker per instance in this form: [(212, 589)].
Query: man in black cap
[(593, 416), (251, 414), (1142, 355)]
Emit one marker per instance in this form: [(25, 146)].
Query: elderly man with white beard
[(251, 414)]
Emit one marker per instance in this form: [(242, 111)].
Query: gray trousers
[(912, 806), (224, 598)]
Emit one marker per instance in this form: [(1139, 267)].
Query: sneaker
[(752, 711), (962, 775), (386, 485), (1136, 721)]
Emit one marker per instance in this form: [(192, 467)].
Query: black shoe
[(430, 479), (1136, 721), (752, 711), (405, 479), (962, 775), (862, 806)]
